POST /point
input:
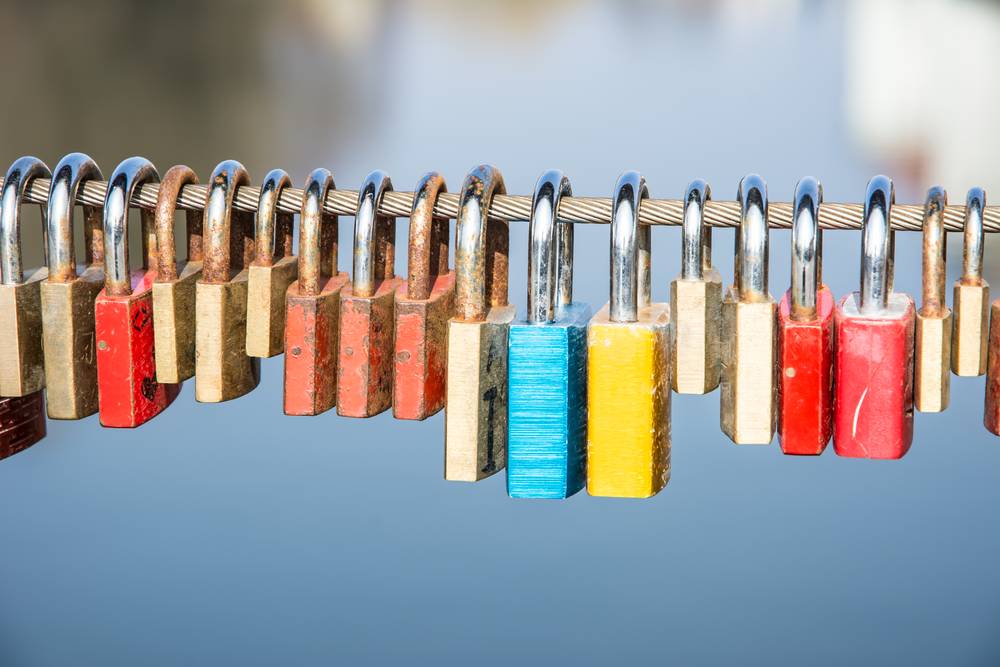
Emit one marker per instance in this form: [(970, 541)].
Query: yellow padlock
[(971, 320)]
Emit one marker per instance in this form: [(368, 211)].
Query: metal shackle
[(127, 176), (67, 177), (974, 241), (550, 250), (166, 205), (374, 236), (427, 254), (934, 255), (750, 275), (22, 172), (317, 234), (696, 236), (218, 221), (631, 285), (481, 247), (877, 245), (807, 249), (273, 235)]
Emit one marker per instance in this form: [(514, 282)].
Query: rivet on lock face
[(971, 295), (932, 362), (628, 364)]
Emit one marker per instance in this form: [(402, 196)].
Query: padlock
[(476, 408), (68, 342), (223, 370), (628, 364), (932, 361), (174, 286), (749, 339), (273, 269), (424, 302), (547, 361), (695, 302), (312, 316), (129, 394), (22, 366), (971, 295), (365, 358), (991, 412), (873, 386), (22, 422), (805, 334)]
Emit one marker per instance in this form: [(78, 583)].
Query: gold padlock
[(22, 366), (476, 406), (223, 370), (932, 371), (273, 269), (971, 295), (68, 339)]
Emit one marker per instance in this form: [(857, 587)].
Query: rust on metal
[(934, 254), (272, 223), (427, 256), (317, 234), (224, 239), (481, 248), (166, 205), (68, 177)]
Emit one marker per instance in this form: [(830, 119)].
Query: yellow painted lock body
[(971, 295), (932, 355)]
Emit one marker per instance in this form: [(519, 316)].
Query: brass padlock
[(22, 366), (273, 269), (68, 340), (971, 295), (476, 407), (223, 370), (174, 287), (932, 367)]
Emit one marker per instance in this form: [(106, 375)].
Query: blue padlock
[(547, 361)]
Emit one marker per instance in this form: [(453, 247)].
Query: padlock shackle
[(19, 176), (550, 250), (631, 286), (750, 274), (274, 228), (318, 232), (934, 255), (166, 206), (127, 176), (218, 220), (877, 246), (374, 236), (974, 240), (481, 247), (427, 256), (67, 177), (696, 236), (807, 249)]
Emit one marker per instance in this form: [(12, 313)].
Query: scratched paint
[(421, 349), (365, 358)]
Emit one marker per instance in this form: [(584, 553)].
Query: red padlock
[(128, 393), (873, 408), (805, 335)]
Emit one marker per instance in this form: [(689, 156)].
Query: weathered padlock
[(476, 409), (873, 386), (273, 269), (22, 422), (749, 340), (932, 363), (174, 286), (22, 366), (547, 361), (695, 302), (423, 305), (628, 364), (312, 316), (223, 370), (971, 295), (805, 334), (367, 321), (68, 297)]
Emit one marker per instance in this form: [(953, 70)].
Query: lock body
[(476, 410), (22, 422), (991, 414), (971, 328), (174, 324), (805, 381), (873, 404), (748, 355), (695, 310), (22, 365), (266, 286), (421, 354), (547, 406), (932, 363), (628, 403), (223, 371)]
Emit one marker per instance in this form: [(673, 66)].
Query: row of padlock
[(563, 399)]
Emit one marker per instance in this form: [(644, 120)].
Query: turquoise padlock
[(547, 361)]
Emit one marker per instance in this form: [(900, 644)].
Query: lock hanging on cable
[(971, 295), (932, 359), (628, 364), (547, 361)]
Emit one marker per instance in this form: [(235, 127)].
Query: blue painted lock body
[(547, 405)]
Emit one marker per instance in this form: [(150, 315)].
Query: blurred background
[(230, 534)]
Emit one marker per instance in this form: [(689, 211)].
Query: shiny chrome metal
[(481, 246), (317, 234), (367, 221), (877, 245), (752, 240), (67, 178), (219, 220), (807, 249), (934, 253), (267, 240), (20, 175), (630, 249), (550, 256), (127, 176), (972, 250), (696, 236)]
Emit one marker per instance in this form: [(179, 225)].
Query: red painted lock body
[(22, 422), (421, 359), (805, 389), (873, 386), (991, 414)]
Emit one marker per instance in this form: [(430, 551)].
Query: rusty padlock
[(223, 370), (971, 295), (476, 408), (22, 422), (365, 359), (22, 366), (312, 303), (423, 305), (68, 297), (174, 286), (273, 269), (932, 363)]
